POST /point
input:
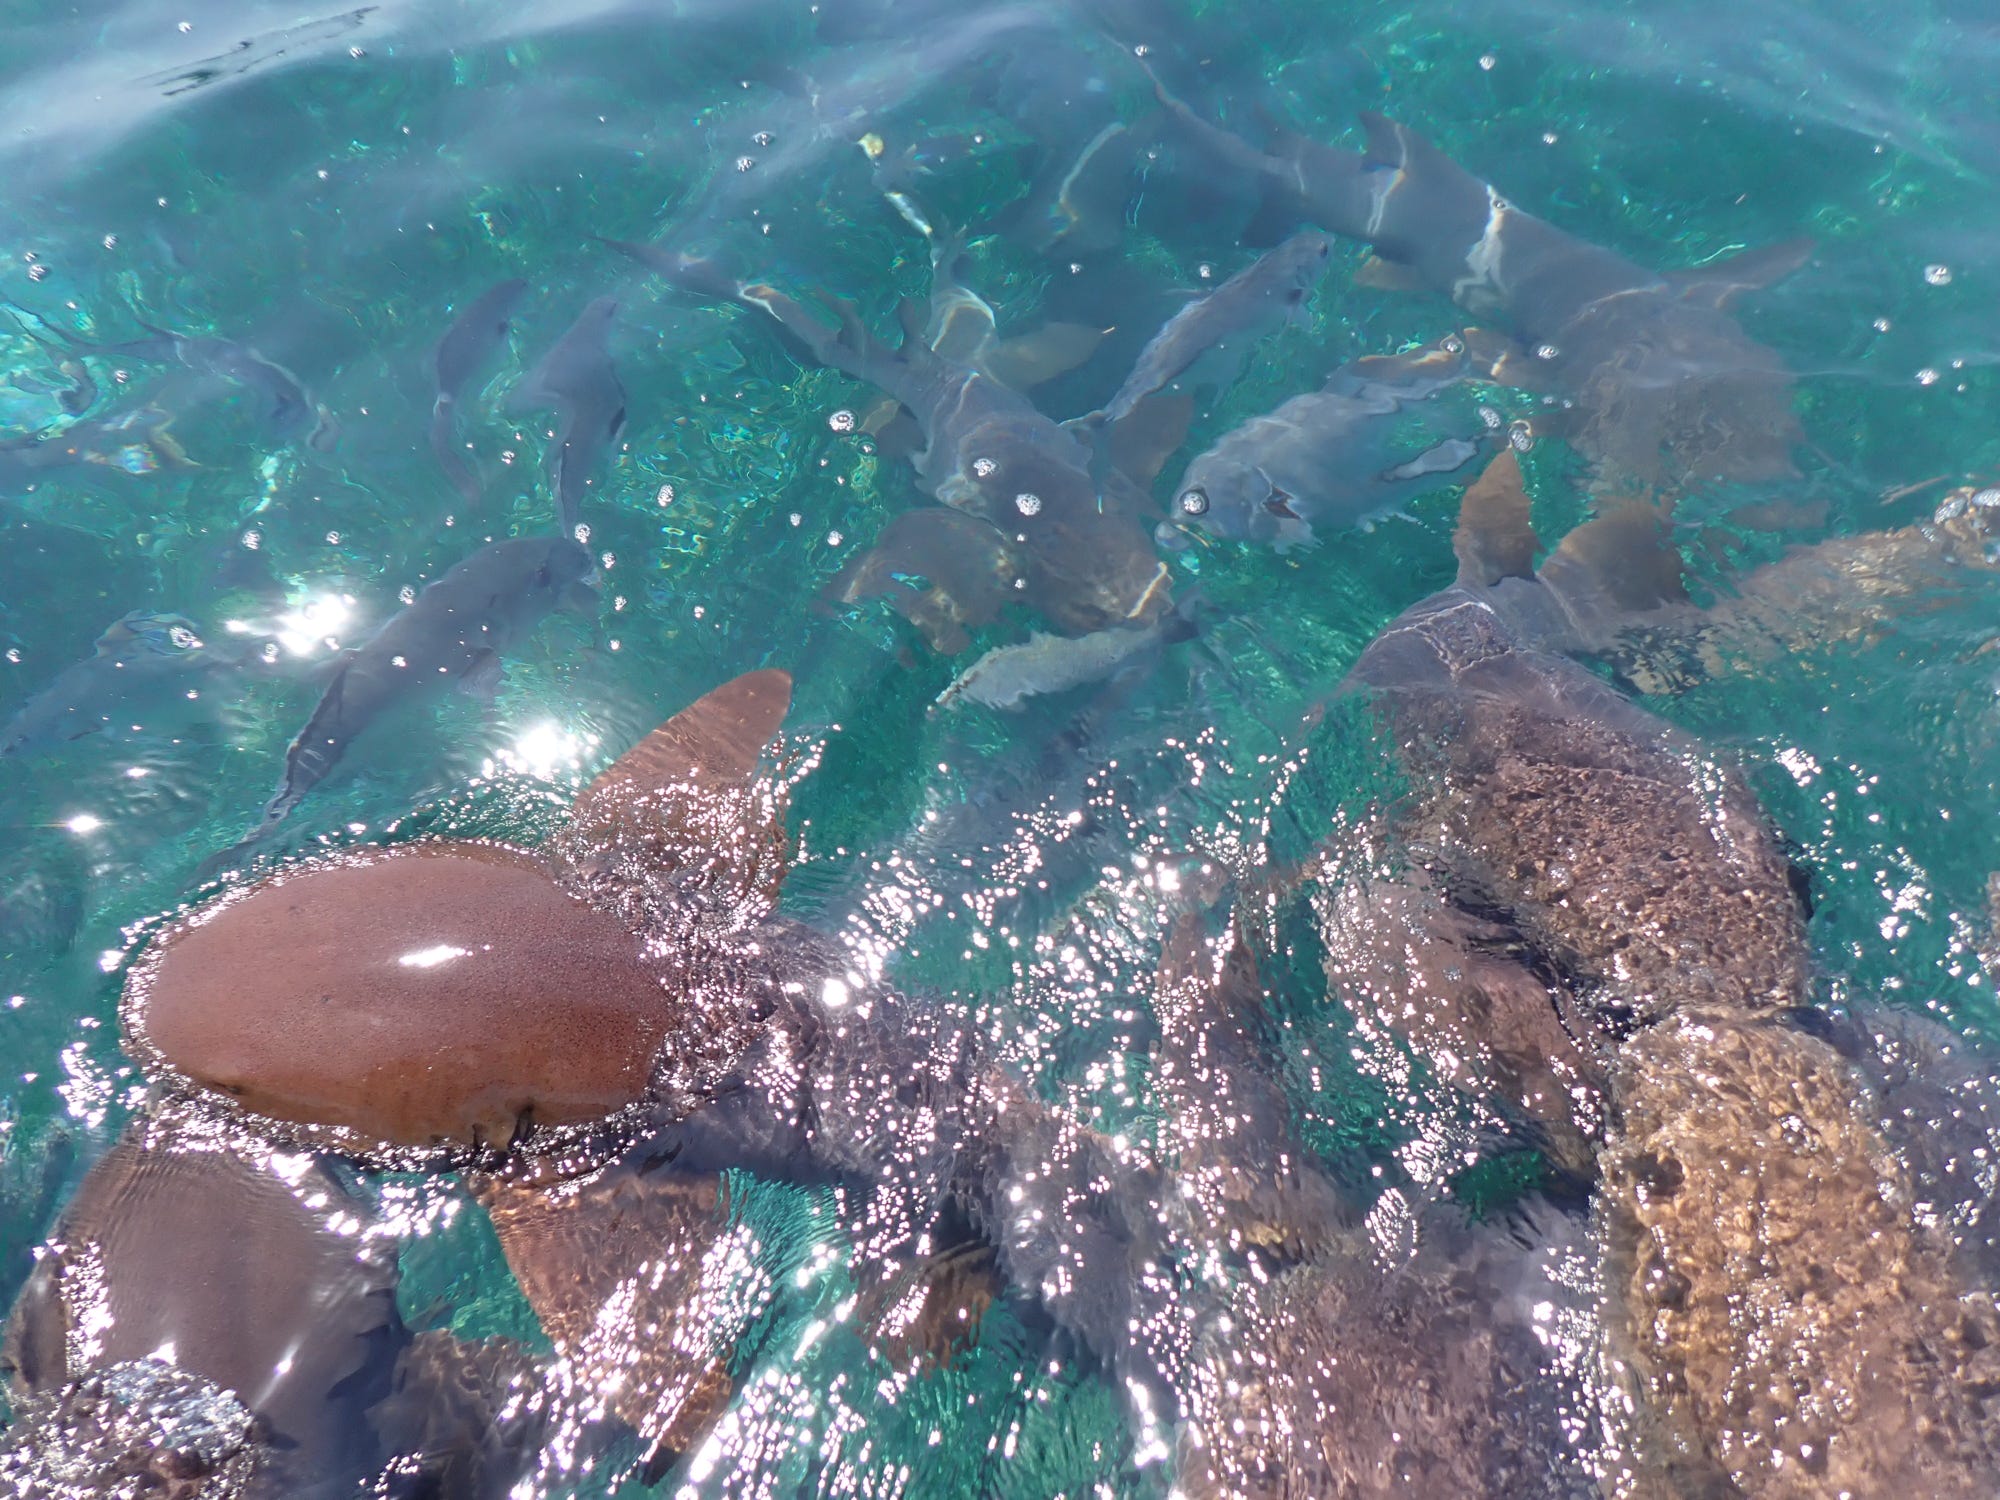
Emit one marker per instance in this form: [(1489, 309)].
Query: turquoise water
[(329, 192)]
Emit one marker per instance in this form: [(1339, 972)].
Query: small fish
[(136, 440), (1268, 292), (142, 672), (289, 406), (1325, 457), (1666, 384), (464, 350), (979, 446), (1007, 676), (456, 630), (577, 378)]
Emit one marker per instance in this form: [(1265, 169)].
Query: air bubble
[(1486, 62), (745, 163), (1927, 376), (1028, 504), (763, 138), (1195, 502), (1453, 344), (982, 468), (1938, 274), (666, 495), (841, 421), (1520, 437), (1492, 418), (1546, 351)]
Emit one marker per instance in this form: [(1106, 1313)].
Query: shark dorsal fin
[(1624, 557), (716, 741), (1495, 539), (1396, 145), (1721, 282), (688, 797)]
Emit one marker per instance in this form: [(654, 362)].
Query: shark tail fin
[(1495, 538)]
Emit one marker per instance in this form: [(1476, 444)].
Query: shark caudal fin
[(1495, 538)]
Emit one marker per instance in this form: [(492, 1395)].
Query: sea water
[(328, 189)]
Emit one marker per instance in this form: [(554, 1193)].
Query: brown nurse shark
[(603, 1026), (1599, 926)]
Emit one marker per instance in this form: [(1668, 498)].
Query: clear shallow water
[(330, 191)]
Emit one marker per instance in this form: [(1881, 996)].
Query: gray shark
[(577, 378), (455, 631), (473, 338), (1668, 388)]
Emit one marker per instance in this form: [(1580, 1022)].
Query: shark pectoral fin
[(482, 676), (1389, 276), (1624, 556), (1721, 282), (688, 794), (1495, 538), (1051, 350), (1144, 439)]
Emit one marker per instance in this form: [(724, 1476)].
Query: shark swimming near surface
[(1666, 390)]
